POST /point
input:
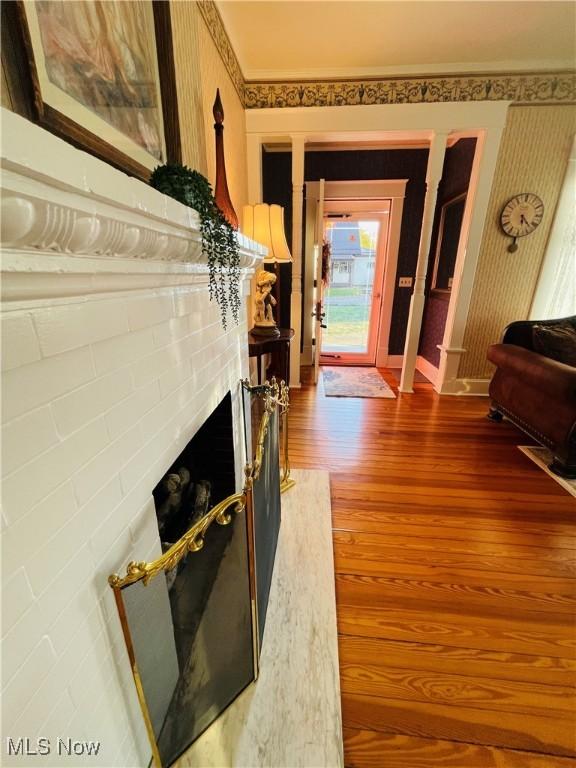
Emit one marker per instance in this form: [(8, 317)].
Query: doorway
[(347, 201), (352, 295)]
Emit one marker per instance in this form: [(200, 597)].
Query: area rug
[(355, 382), (543, 458)]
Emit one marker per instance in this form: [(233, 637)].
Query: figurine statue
[(264, 323)]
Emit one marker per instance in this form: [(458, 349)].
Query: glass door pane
[(348, 297)]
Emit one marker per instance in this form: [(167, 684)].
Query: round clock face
[(522, 214)]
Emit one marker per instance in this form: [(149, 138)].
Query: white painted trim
[(364, 122), (465, 387), (417, 301), (390, 268), (75, 226), (298, 149), (365, 190), (427, 369), (391, 361), (367, 196), (479, 188), (254, 166), (308, 323)]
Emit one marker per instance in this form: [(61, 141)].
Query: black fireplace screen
[(194, 618)]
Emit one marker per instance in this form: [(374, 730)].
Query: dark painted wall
[(384, 164), (455, 180), (350, 166)]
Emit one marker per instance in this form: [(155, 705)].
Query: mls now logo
[(42, 746), (26, 746)]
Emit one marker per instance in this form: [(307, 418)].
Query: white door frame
[(368, 194)]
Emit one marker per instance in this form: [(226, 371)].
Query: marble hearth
[(291, 716)]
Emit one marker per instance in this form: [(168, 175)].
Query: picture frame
[(451, 216), (100, 75)]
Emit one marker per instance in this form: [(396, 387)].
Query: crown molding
[(458, 69), (303, 90)]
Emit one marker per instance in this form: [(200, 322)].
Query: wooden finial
[(221, 194), (218, 109)]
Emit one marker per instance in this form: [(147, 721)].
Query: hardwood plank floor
[(455, 583)]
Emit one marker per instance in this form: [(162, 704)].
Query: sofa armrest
[(550, 376)]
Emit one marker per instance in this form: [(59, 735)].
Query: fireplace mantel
[(82, 227)]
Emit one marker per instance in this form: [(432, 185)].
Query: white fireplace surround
[(112, 358)]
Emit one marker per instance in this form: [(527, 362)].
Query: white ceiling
[(297, 39)]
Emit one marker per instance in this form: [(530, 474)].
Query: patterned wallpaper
[(215, 75), (533, 156), (185, 23)]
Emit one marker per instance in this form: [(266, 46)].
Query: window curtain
[(555, 294)]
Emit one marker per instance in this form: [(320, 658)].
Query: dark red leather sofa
[(535, 392)]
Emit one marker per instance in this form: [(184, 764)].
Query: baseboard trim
[(472, 387), (427, 369), (392, 361)]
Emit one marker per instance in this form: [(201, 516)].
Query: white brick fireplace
[(112, 357)]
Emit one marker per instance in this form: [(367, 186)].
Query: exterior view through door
[(352, 294)]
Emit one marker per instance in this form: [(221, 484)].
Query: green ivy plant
[(219, 242)]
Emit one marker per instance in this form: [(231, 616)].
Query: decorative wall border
[(215, 25), (525, 88), (556, 87)]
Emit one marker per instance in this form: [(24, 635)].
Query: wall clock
[(520, 216)]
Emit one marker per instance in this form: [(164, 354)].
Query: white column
[(433, 176), (254, 164), (479, 189), (298, 143)]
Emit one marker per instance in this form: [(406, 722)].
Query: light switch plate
[(405, 282)]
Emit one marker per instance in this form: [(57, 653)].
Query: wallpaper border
[(213, 20), (526, 88), (520, 88)]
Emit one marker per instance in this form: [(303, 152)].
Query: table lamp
[(265, 224)]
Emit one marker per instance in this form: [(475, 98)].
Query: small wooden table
[(278, 347)]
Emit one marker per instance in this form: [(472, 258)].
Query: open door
[(352, 299), (318, 287)]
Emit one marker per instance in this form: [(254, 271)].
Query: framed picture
[(101, 75), (447, 244)]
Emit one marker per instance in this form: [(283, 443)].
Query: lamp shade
[(265, 224)]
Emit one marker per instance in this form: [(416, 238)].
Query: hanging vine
[(219, 243)]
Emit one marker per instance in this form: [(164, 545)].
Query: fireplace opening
[(191, 627), (202, 475)]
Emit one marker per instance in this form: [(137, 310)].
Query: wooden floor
[(455, 583)]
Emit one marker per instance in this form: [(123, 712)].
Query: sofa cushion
[(557, 342)]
